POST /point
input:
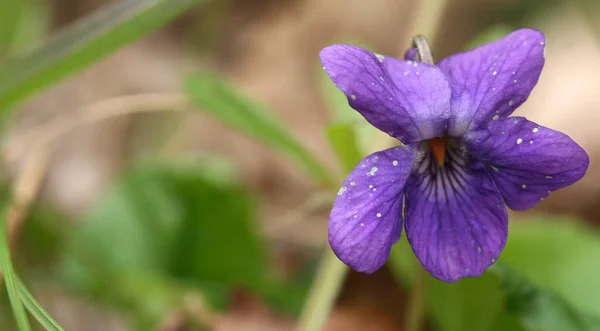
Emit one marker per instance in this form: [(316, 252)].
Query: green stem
[(323, 293), (416, 305)]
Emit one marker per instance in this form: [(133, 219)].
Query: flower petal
[(491, 81), (526, 160), (408, 100), (366, 217), (455, 219)]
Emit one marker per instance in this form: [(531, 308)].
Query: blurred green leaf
[(10, 14), (490, 34), (188, 226), (37, 310), (85, 42), (472, 304), (558, 254), (342, 138), (214, 95), (10, 280), (41, 237), (33, 27), (190, 222), (540, 310)]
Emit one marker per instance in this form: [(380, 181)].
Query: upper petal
[(527, 160), (408, 100), (455, 219), (366, 217), (491, 81)]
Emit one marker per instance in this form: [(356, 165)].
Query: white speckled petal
[(366, 217), (491, 81), (526, 160), (408, 100)]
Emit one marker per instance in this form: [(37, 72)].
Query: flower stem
[(323, 292), (416, 305)]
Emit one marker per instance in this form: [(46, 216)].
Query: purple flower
[(462, 159)]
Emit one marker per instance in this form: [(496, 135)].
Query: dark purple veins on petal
[(455, 219)]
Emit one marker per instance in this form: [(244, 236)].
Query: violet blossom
[(462, 161)]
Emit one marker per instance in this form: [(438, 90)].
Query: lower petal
[(455, 219), (366, 217)]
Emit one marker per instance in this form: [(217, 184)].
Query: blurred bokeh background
[(133, 208)]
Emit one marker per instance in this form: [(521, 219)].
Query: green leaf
[(540, 309), (342, 138), (37, 310), (191, 226), (84, 43), (10, 14), (558, 254), (473, 304), (10, 280), (214, 95)]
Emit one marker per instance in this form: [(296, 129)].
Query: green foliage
[(541, 309), (173, 229), (342, 138), (32, 28), (214, 95), (11, 281), (10, 14), (557, 254), (36, 309), (84, 43), (545, 281), (472, 304)]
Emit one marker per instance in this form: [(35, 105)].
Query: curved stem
[(423, 49), (416, 305), (38, 139), (323, 293)]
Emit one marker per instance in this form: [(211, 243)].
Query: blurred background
[(134, 208)]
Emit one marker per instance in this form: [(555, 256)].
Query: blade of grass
[(83, 43), (36, 309), (9, 279), (214, 95)]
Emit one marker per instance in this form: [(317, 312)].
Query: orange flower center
[(437, 146)]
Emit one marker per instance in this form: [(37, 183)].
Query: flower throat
[(437, 146)]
